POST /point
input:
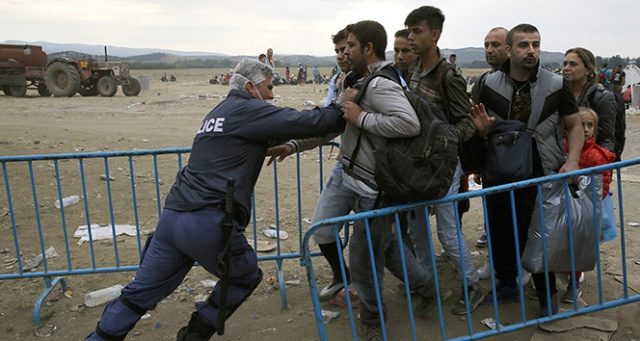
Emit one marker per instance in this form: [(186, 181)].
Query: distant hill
[(468, 57), (111, 50)]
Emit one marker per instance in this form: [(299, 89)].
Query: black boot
[(330, 252), (196, 330), (544, 311)]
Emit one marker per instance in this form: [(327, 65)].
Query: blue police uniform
[(231, 142)]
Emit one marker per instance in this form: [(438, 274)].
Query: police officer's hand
[(280, 152), (351, 111)]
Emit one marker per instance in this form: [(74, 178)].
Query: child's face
[(588, 124)]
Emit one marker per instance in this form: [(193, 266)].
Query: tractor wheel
[(131, 89), (43, 90), (90, 90), (63, 79), (6, 90), (107, 86), (18, 91)]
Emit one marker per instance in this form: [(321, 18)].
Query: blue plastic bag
[(608, 220)]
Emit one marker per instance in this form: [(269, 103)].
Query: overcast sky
[(249, 27)]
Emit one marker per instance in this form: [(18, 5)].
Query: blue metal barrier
[(33, 182), (401, 330)]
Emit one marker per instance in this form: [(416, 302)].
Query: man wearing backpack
[(383, 112), (603, 76), (439, 82), (523, 88)]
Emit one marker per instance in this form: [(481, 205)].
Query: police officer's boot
[(196, 330)]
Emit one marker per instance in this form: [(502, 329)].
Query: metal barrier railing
[(406, 329), (33, 182)]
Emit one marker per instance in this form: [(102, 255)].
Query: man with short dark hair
[(425, 27), (403, 56), (339, 43), (452, 59), (508, 95), (383, 112)]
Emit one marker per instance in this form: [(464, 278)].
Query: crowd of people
[(202, 222)]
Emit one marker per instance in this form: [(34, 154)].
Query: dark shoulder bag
[(510, 145)]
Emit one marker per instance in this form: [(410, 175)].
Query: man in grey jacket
[(383, 112)]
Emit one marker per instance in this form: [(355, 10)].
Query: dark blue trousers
[(181, 239)]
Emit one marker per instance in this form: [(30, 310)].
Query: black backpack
[(621, 126), (415, 168), (621, 119)]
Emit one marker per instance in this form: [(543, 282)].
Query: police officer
[(231, 142)]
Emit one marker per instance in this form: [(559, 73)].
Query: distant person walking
[(270, 61), (618, 78)]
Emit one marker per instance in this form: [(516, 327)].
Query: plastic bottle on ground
[(102, 296), (67, 201)]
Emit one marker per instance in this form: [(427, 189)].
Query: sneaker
[(505, 295), (331, 290), (401, 288), (526, 278), (568, 295), (442, 256), (476, 296), (485, 271), (425, 306), (482, 241), (370, 333)]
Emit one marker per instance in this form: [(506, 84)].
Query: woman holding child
[(579, 69), (598, 114)]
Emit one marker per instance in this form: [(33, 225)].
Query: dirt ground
[(167, 116)]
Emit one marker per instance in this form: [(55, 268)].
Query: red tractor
[(89, 77), (21, 67), (25, 66)]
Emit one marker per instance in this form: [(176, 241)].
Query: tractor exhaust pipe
[(105, 53)]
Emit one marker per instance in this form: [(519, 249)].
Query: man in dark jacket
[(231, 142)]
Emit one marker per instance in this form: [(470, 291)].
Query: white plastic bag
[(583, 223)]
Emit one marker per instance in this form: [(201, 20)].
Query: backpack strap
[(446, 67), (388, 72)]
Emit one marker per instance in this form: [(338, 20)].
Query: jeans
[(385, 247), (447, 234), (335, 201)]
